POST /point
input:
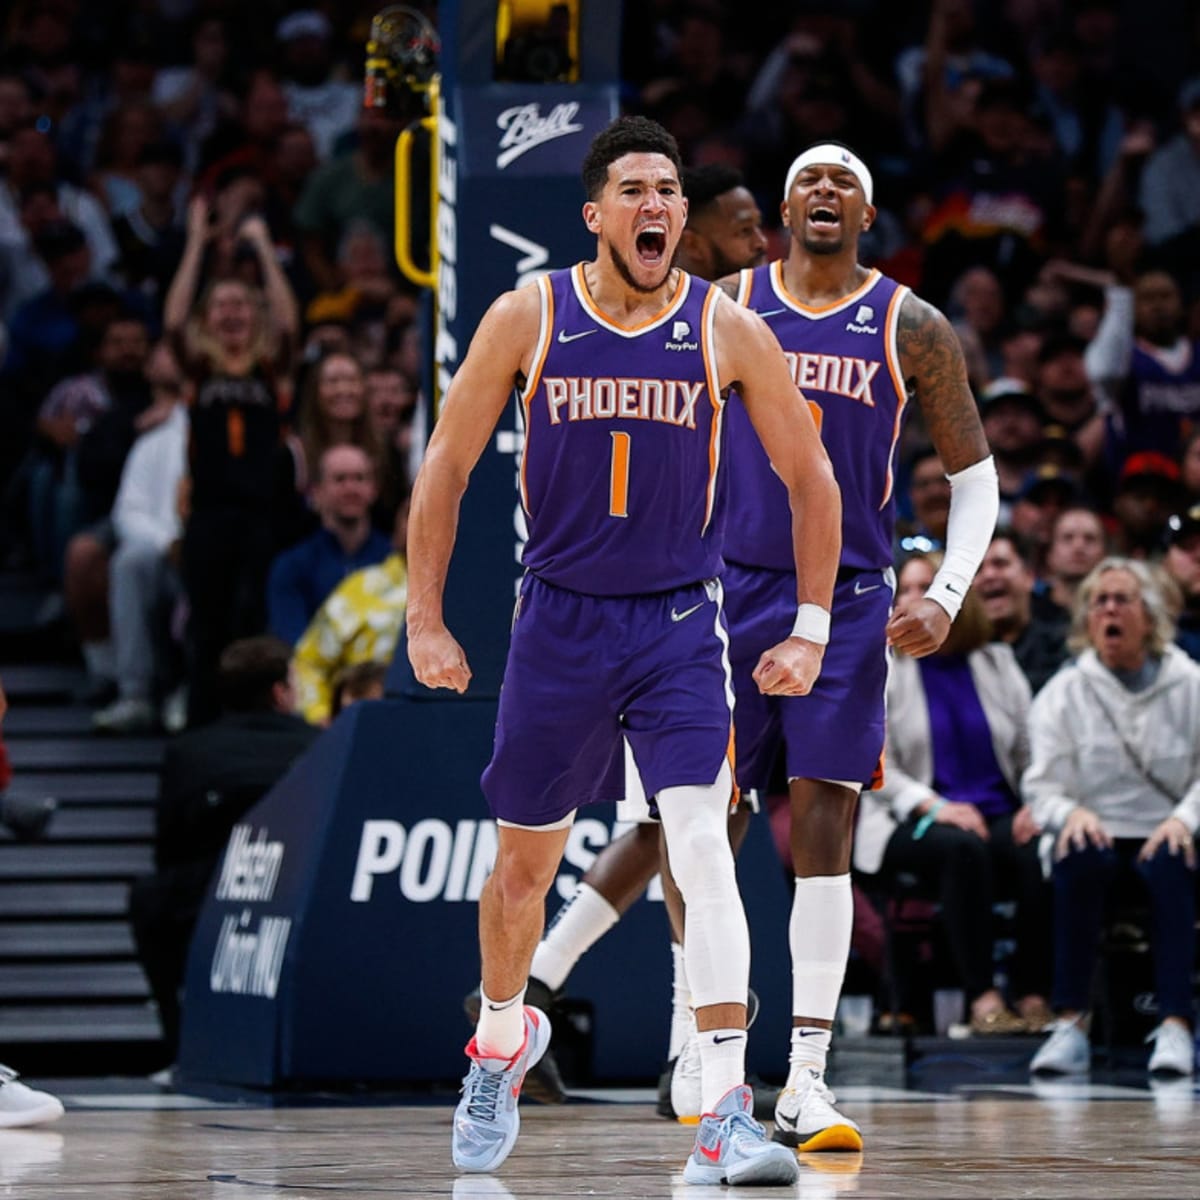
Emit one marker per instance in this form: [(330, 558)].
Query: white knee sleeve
[(716, 942), (819, 936)]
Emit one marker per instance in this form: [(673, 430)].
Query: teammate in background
[(859, 346), (622, 365), (723, 234)]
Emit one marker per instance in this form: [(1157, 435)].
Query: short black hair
[(704, 185), (626, 135), (248, 671), (1021, 544)]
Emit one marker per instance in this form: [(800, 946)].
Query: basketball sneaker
[(732, 1147), (1065, 1052), (544, 1083), (806, 1119), (1174, 1050), (686, 1104), (487, 1120), (21, 1105)]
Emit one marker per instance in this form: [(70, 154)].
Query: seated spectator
[(327, 105), (333, 411), (150, 239), (1067, 397), (978, 309), (1005, 584), (1170, 184), (949, 812), (391, 408), (1182, 565), (1077, 543), (929, 493), (363, 681), (87, 424), (1048, 491), (210, 778), (359, 623), (143, 572), (302, 577), (1114, 774)]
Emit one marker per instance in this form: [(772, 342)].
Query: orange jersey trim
[(541, 351), (602, 318), (819, 309), (892, 355), (708, 348)]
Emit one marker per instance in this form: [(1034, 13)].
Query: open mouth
[(652, 245), (824, 218), (1112, 630)]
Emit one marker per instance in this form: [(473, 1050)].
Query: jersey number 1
[(618, 488)]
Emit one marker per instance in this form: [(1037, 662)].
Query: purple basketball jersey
[(844, 359), (623, 442)]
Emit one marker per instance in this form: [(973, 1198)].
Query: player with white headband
[(861, 346)]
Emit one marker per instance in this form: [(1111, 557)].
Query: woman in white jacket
[(1115, 775), (948, 813)]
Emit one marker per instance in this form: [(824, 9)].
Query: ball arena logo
[(525, 127)]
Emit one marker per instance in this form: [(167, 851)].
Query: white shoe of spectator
[(126, 716), (21, 1105), (1174, 1050), (174, 710), (1066, 1051)]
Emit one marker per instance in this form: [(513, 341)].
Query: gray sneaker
[(732, 1147), (126, 717), (487, 1119)]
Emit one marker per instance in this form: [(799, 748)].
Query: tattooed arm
[(932, 362)]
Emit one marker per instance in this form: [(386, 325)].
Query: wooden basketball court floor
[(127, 1140)]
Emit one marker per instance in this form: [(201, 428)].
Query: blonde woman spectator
[(1115, 775)]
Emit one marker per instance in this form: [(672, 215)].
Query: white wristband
[(812, 624)]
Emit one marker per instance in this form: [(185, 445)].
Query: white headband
[(830, 153)]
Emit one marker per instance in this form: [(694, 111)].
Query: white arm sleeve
[(974, 506)]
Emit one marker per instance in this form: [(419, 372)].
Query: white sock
[(810, 1048), (100, 659), (577, 926), (501, 1029), (722, 1064), (682, 1022)]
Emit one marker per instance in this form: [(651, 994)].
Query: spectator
[(144, 584), (1170, 191), (352, 186), (302, 577), (1115, 775), (195, 98), (1182, 565), (1012, 423), (333, 412), (1067, 397), (151, 239), (1048, 491), (979, 310), (127, 131), (210, 778), (86, 425), (929, 490), (1189, 467), (1005, 584), (391, 407), (359, 623), (949, 814), (363, 681), (1148, 492), (238, 357), (1077, 543), (1147, 365), (327, 106), (243, 142)]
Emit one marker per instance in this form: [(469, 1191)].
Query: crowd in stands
[(210, 366)]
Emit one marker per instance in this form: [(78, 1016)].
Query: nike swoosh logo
[(772, 312), (733, 1037), (713, 1155), (810, 1033), (859, 590), (687, 612), (564, 337), (951, 588)]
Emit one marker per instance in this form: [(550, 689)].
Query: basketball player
[(859, 346), (622, 365), (723, 234)]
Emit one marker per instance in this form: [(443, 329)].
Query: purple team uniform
[(844, 359), (619, 627)]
